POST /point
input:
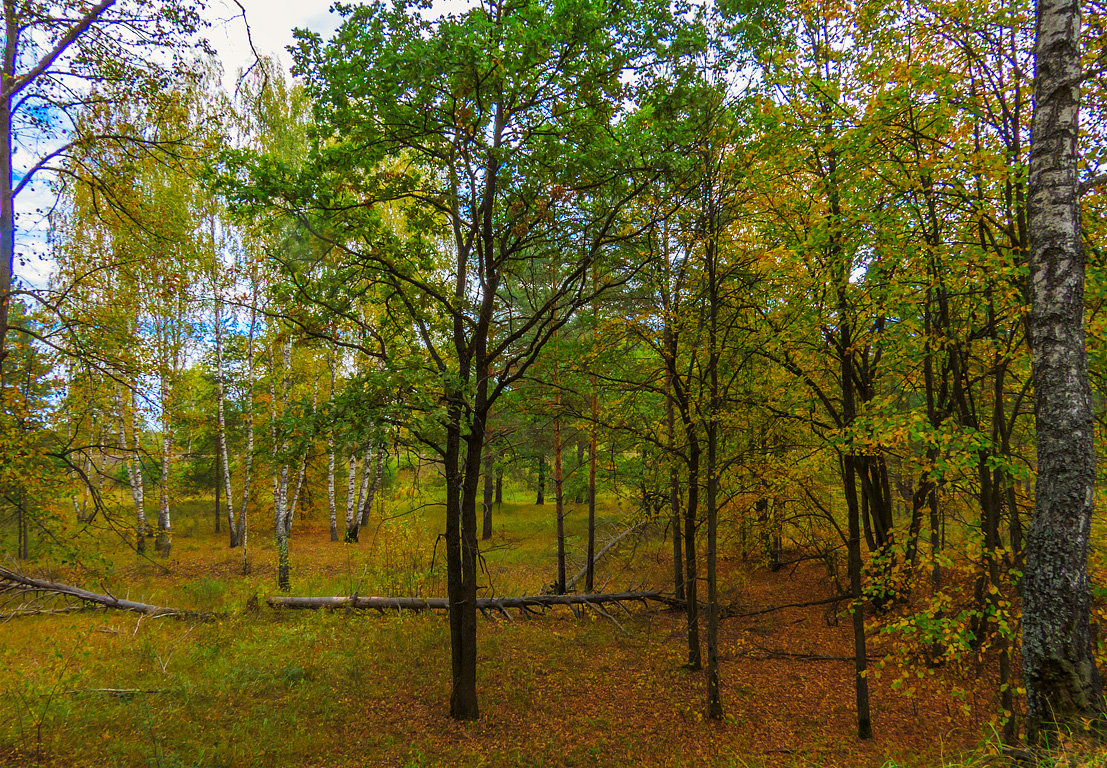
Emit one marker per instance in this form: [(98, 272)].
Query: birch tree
[(68, 56), (1059, 668)]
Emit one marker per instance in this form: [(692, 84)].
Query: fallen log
[(21, 612), (108, 601), (526, 603), (607, 548)]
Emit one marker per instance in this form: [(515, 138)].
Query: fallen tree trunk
[(502, 604), (108, 601), (607, 548)]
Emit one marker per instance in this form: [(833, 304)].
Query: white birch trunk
[(363, 490), (291, 516), (248, 459), (1062, 682), (281, 519), (331, 506), (221, 419), (351, 532), (134, 476), (378, 474), (164, 541)]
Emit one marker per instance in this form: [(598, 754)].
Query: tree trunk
[(559, 501), (714, 701), (1062, 682), (163, 543), (24, 546), (221, 425), (674, 486), (218, 501), (7, 195), (332, 508), (489, 481), (590, 578), (351, 503), (134, 471), (281, 520), (460, 588), (291, 513), (374, 485), (248, 459), (540, 498)]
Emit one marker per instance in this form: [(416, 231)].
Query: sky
[(271, 23)]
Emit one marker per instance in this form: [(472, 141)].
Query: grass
[(257, 686)]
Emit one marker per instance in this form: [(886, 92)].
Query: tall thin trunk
[(486, 523), (23, 551), (489, 482), (540, 497), (221, 422), (7, 194), (691, 575), (1059, 668), (849, 482), (281, 521), (714, 701), (332, 508), (590, 563), (218, 501), (133, 464), (351, 500), (674, 508), (248, 459), (559, 499), (374, 485), (852, 466), (291, 513), (164, 541)]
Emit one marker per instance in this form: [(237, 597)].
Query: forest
[(674, 383)]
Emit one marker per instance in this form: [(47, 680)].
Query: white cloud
[(270, 23)]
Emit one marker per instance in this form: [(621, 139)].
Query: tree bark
[(7, 194), (482, 603), (281, 519), (674, 488), (351, 503), (1062, 682), (133, 463), (164, 542), (248, 459), (489, 482), (590, 579), (559, 500), (374, 485), (221, 421), (540, 497), (332, 508), (109, 601)]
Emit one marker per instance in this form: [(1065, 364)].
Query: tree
[(503, 128), (1062, 682), (58, 59)]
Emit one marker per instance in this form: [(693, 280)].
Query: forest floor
[(264, 687)]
